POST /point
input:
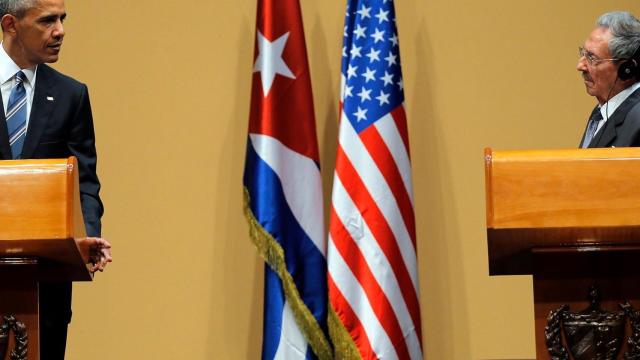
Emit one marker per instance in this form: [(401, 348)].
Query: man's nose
[(582, 64), (58, 31)]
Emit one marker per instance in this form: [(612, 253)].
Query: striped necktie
[(17, 115), (594, 119)]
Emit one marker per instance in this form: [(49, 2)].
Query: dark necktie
[(17, 115), (596, 117)]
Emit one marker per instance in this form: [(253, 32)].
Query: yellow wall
[(169, 82)]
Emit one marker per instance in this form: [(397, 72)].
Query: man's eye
[(49, 20)]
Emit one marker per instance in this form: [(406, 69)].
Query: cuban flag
[(372, 265), (283, 188)]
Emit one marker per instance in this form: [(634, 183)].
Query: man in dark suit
[(610, 66), (48, 115)]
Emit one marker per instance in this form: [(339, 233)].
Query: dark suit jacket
[(61, 125), (623, 127)]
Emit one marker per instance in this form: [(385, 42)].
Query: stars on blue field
[(370, 62)]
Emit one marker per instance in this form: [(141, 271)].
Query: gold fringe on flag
[(273, 254), (343, 344)]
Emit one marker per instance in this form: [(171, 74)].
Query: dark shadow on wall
[(236, 251), (438, 238), (325, 87)]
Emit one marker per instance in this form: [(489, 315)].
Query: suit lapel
[(5, 147), (608, 133), (41, 108)]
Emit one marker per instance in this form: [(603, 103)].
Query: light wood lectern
[(41, 232), (571, 218)]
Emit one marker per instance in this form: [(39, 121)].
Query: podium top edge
[(622, 153), (65, 163)]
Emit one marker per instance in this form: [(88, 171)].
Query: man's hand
[(99, 253)]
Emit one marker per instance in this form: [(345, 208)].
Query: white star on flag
[(364, 94), (387, 78), (355, 51), (351, 71), (359, 31), (369, 75), (348, 91), (364, 12), (382, 16), (270, 62), (377, 36), (361, 114), (374, 55), (394, 40), (383, 98), (391, 59)]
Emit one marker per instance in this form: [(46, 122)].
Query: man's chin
[(51, 59)]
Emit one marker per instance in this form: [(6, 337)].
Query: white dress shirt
[(608, 108), (8, 70)]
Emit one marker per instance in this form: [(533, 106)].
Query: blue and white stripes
[(285, 192), (16, 115)]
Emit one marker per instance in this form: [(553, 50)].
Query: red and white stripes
[(373, 279)]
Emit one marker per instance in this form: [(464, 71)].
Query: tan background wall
[(170, 81)]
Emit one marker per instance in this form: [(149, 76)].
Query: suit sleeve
[(82, 145)]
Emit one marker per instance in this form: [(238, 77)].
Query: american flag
[(372, 266), (283, 188)]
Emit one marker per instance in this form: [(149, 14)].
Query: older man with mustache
[(610, 66)]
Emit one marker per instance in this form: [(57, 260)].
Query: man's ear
[(8, 23)]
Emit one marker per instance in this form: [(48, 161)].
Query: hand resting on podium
[(99, 252)]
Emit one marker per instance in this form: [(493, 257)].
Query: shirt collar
[(610, 106), (8, 68)]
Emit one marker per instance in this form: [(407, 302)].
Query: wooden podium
[(41, 228), (571, 218)]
